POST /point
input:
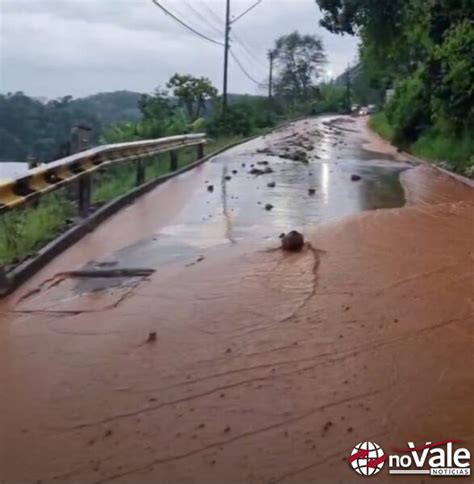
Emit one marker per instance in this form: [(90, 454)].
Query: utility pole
[(226, 57), (349, 93), (270, 86), (270, 76)]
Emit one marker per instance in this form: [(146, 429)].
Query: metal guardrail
[(79, 168)]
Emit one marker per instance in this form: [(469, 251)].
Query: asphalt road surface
[(230, 360)]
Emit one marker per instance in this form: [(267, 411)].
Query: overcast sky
[(79, 47)]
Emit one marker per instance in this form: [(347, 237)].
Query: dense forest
[(424, 50), (29, 127)]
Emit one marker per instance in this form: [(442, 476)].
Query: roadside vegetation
[(22, 231), (381, 125), (419, 57)]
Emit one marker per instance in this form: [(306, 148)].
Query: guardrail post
[(4, 282), (84, 195), (140, 179), (200, 151), (173, 160)]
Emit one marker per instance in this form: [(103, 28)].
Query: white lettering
[(405, 461), (394, 460), (438, 458), (449, 454), (419, 461), (460, 455)]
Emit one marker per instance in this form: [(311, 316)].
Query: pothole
[(88, 290)]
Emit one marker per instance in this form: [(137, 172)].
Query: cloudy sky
[(57, 47)]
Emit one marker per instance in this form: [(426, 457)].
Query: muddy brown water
[(235, 210), (267, 366)]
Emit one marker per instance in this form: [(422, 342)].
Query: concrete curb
[(456, 176)]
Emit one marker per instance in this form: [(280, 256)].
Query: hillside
[(30, 127)]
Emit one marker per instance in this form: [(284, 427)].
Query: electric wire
[(246, 11), (184, 24)]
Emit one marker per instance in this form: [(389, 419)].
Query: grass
[(120, 179), (379, 123), (115, 181), (455, 153), (25, 230), (450, 152)]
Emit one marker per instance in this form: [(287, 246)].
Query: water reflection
[(12, 169), (235, 209), (325, 182)]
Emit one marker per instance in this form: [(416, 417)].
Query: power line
[(225, 45), (245, 47), (246, 11), (194, 31), (242, 68), (253, 66), (203, 18), (210, 12)]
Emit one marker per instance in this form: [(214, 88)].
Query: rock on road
[(265, 366)]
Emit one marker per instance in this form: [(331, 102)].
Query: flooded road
[(183, 219), (300, 193), (265, 366), (235, 209)]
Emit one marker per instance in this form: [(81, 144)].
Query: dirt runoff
[(267, 366)]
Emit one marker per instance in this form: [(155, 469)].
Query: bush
[(380, 124), (408, 112), (452, 151), (453, 99), (24, 230), (333, 99), (198, 126), (237, 120)]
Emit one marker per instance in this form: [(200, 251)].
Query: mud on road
[(266, 366)]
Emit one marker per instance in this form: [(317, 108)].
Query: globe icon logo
[(367, 458)]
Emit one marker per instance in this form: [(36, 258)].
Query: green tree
[(422, 47), (192, 92), (300, 60), (453, 96), (332, 99)]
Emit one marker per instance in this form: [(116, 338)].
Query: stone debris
[(151, 337), (355, 177), (292, 241), (296, 155), (259, 171)]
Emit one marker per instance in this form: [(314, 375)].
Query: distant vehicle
[(363, 111)]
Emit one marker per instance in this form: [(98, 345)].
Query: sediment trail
[(267, 366)]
